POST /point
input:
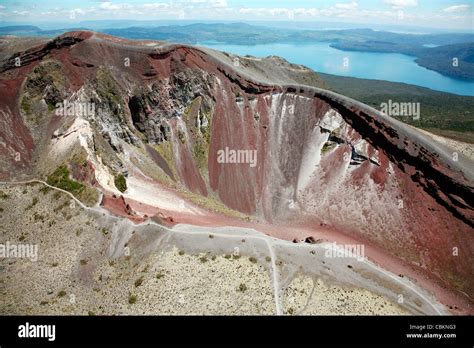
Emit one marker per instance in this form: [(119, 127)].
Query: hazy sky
[(431, 13)]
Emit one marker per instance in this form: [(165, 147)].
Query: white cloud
[(218, 3), (79, 11), (279, 12), (347, 6), (22, 13), (201, 3), (155, 6), (305, 12), (344, 10), (108, 5), (401, 3), (457, 8)]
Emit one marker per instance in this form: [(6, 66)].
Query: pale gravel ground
[(74, 274), (204, 284), (465, 148), (310, 296)]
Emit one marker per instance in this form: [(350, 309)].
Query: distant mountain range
[(451, 54)]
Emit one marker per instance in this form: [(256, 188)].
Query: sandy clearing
[(465, 148)]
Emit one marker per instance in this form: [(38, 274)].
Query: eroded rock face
[(307, 156)]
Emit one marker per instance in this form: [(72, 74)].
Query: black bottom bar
[(195, 330)]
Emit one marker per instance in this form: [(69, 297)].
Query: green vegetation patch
[(326, 148), (200, 154), (165, 149), (109, 90), (46, 82), (120, 182), (60, 178), (25, 105)]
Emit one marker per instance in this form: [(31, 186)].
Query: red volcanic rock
[(312, 240), (164, 220), (84, 172), (118, 206), (35, 54)]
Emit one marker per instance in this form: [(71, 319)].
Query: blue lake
[(368, 65)]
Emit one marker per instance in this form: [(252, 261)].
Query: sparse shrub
[(181, 252), (38, 217), (326, 148), (83, 262), (3, 195), (62, 293), (33, 203), (138, 282), (25, 105), (253, 259), (45, 189), (203, 259), (242, 287), (159, 275), (181, 136), (268, 258), (132, 299), (120, 182)]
